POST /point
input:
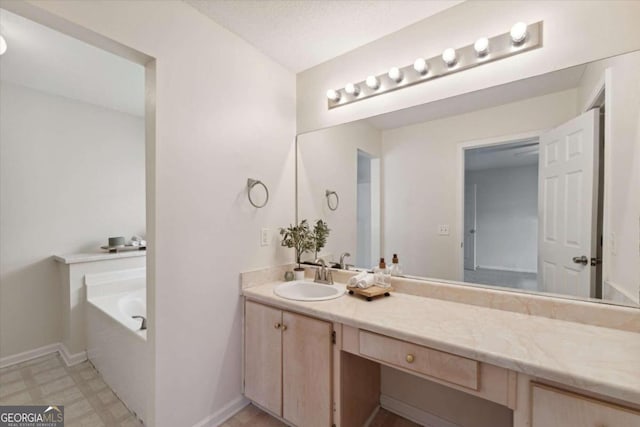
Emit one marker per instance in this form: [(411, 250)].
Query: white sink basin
[(302, 290)]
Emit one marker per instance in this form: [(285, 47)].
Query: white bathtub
[(115, 344)]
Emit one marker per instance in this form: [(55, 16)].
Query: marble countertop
[(97, 256), (593, 358)]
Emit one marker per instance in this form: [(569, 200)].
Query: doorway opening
[(81, 121), (532, 208), (368, 209), (501, 214)]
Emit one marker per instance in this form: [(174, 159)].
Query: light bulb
[(518, 32), (481, 46), (373, 82), (395, 74), (3, 45), (420, 65), (449, 56), (333, 95), (352, 89)]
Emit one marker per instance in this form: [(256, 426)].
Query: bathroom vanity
[(515, 217), (319, 363)]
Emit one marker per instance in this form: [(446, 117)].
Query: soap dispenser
[(381, 275), (395, 270)]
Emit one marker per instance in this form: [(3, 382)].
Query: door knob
[(284, 327), (410, 358), (581, 260), (472, 231), (277, 325)]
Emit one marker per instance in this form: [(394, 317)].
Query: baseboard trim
[(412, 413), (25, 356), (224, 413), (372, 416), (510, 269), (71, 359)]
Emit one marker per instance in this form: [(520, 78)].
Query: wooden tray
[(371, 292)]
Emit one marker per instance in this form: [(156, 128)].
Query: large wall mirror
[(532, 186)]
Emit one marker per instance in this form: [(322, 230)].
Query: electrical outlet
[(265, 237), (443, 229)]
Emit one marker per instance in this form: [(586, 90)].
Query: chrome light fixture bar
[(520, 39)]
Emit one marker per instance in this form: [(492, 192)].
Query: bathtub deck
[(87, 400)]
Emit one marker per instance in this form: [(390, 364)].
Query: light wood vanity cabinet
[(263, 356), (445, 366), (293, 370), (552, 407), (288, 364)]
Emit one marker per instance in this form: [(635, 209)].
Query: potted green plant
[(300, 239), (320, 234)]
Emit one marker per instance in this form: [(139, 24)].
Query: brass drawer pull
[(277, 326), (410, 358), (284, 327)]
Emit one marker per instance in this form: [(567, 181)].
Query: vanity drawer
[(444, 366), (553, 407)]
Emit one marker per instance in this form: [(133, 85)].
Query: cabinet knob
[(277, 326), (410, 358), (284, 327)]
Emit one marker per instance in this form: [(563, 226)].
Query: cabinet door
[(559, 408), (306, 360), (263, 356)]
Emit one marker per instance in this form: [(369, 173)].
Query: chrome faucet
[(323, 275), (143, 326), (343, 266)]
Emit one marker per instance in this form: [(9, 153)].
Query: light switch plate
[(265, 237), (443, 229)]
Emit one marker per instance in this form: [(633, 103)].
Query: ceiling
[(46, 60), (302, 34), (544, 84), (509, 155)]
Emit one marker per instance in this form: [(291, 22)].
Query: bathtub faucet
[(143, 326)]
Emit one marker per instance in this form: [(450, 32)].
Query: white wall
[(328, 159), (71, 175), (225, 113), (574, 33), (420, 175), (622, 169), (506, 217)]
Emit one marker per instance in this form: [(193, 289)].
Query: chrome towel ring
[(252, 183), (328, 194)]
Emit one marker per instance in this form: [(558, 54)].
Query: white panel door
[(470, 227), (567, 206)]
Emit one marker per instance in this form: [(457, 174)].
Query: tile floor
[(508, 279), (87, 400), (252, 416)]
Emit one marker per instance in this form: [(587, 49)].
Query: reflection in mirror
[(531, 185)]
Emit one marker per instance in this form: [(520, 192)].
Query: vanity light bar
[(520, 39)]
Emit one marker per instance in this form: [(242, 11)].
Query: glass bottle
[(381, 275), (395, 269)]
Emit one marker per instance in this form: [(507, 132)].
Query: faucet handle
[(143, 325), (329, 278)]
